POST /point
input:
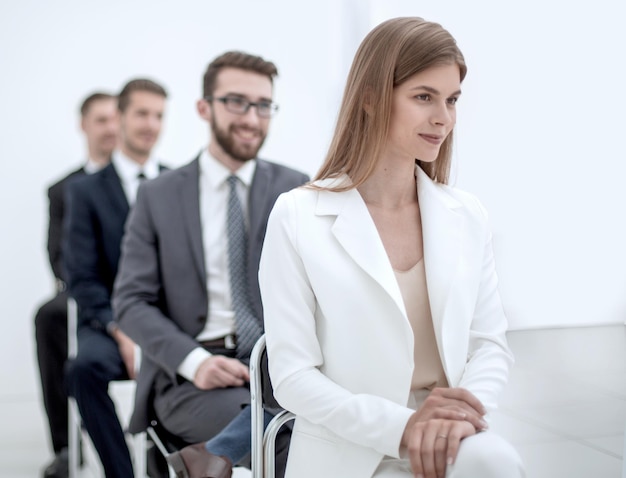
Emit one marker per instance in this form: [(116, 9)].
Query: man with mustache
[(97, 209), (187, 290), (98, 121)]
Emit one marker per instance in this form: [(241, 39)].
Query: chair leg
[(140, 451), (162, 449), (74, 437), (74, 419)]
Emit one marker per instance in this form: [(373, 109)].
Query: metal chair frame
[(263, 442), (156, 439)]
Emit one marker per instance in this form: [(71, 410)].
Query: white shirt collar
[(92, 167), (216, 173), (128, 170)]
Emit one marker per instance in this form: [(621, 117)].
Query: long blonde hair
[(390, 54)]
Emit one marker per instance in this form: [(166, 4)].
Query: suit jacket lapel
[(113, 183), (442, 231), (189, 189), (257, 202), (442, 234), (355, 230)]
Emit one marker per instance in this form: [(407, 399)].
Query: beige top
[(428, 372)]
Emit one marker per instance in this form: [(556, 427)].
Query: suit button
[(202, 319)]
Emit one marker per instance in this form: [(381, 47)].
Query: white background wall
[(539, 135)]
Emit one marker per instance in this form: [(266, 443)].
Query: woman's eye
[(423, 97), (452, 101)]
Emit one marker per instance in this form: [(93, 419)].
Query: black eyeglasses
[(240, 106)]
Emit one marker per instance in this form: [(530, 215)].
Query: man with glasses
[(187, 290)]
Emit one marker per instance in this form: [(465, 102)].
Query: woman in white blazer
[(385, 330)]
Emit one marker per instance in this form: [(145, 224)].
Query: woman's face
[(423, 113)]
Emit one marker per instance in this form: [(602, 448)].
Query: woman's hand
[(452, 404), (434, 431), (433, 445)]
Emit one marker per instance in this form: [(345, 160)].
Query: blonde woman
[(385, 330)]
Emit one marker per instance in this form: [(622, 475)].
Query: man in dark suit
[(97, 209), (99, 124), (177, 294)]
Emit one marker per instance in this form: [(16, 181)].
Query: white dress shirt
[(91, 166), (129, 170), (214, 192)]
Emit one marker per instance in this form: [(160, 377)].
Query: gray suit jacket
[(160, 296)]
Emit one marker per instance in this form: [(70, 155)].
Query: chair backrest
[(263, 441), (256, 401), (72, 326)]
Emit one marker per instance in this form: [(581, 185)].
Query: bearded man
[(187, 291)]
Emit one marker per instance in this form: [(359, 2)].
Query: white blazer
[(339, 341)]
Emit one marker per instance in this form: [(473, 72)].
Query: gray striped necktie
[(248, 326)]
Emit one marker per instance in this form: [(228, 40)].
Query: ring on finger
[(445, 437)]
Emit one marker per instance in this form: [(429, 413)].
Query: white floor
[(564, 409)]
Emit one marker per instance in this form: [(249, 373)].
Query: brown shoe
[(194, 461)]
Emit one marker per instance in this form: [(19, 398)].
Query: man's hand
[(218, 371), (127, 351)]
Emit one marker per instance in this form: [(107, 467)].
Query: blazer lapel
[(113, 184), (189, 189), (442, 234), (257, 203), (355, 230)]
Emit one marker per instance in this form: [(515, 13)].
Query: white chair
[(122, 394), (263, 442)]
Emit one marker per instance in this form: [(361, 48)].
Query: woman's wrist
[(407, 430)]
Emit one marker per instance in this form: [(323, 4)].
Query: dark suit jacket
[(55, 225), (160, 297), (94, 225), (97, 209)]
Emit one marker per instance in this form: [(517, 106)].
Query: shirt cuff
[(111, 327), (191, 364)]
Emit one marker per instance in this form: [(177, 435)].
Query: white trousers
[(484, 455)]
